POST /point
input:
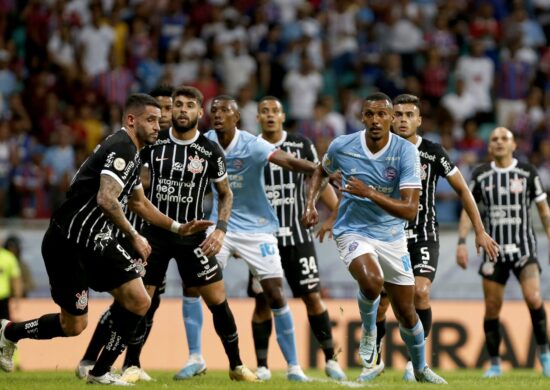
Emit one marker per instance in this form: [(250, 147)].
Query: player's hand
[(490, 246), (336, 179), (141, 245), (462, 256), (310, 217), (194, 226), (356, 187), (212, 244)]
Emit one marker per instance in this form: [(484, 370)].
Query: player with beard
[(182, 165), (423, 232), (381, 185), (132, 365), (81, 252)]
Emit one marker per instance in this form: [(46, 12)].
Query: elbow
[(102, 200), (410, 213)]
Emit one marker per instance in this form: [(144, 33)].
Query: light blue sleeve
[(328, 159), (262, 150), (410, 167)]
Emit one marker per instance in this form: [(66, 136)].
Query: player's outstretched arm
[(544, 213), (311, 217), (213, 243), (140, 205), (330, 199), (464, 226), (288, 161), (483, 240)]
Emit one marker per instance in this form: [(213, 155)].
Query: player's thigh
[(528, 275), (424, 258), (67, 277), (195, 268), (395, 261), (261, 254), (301, 269)]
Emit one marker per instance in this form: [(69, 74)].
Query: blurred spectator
[(460, 104), (477, 71), (95, 42), (61, 51), (7, 160), (526, 122), (59, 162), (8, 81), (471, 141), (391, 80), (435, 75), (302, 87), (238, 67), (13, 244), (30, 182), (248, 107), (10, 283)]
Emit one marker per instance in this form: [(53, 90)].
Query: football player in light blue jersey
[(253, 223), (380, 185)]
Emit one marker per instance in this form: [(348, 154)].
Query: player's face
[(147, 126), (185, 113), (407, 119), (501, 143), (224, 115), (377, 116), (165, 111), (271, 116)]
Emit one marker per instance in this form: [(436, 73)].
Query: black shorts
[(73, 269), (194, 268), (301, 269), (499, 271), (424, 257)]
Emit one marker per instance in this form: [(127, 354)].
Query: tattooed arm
[(544, 213), (213, 243), (107, 199)]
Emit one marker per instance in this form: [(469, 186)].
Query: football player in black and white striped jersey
[(507, 189)]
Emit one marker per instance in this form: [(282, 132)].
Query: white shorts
[(259, 250), (393, 257)]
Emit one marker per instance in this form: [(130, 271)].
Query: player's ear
[(201, 113)]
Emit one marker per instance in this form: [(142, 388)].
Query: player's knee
[(74, 326), (533, 300), (191, 292), (421, 295), (314, 303), (492, 307)]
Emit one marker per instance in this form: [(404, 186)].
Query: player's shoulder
[(208, 144), (526, 167), (347, 139), (430, 146), (297, 139), (482, 170), (119, 141)]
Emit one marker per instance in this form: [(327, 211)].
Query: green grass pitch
[(390, 379)]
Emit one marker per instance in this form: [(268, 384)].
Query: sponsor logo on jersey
[(445, 164), (201, 149), (353, 246), (237, 163), (81, 300), (427, 156), (221, 166), (195, 164), (423, 173)]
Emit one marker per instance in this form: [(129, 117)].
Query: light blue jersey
[(394, 167), (245, 158)]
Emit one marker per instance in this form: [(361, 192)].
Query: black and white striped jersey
[(434, 163), (79, 216), (286, 190), (507, 195), (181, 172)]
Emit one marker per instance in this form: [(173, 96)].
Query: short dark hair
[(138, 101), (407, 98), (270, 98), (374, 97), (190, 92), (162, 90), (227, 98)]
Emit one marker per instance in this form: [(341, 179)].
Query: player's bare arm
[(464, 226), (288, 161), (311, 217), (544, 213), (140, 205), (107, 199), (145, 177), (483, 240), (213, 243), (330, 199), (405, 208)]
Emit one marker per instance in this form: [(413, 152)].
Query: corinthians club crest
[(195, 164)]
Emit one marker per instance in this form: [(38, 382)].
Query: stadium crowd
[(67, 67)]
